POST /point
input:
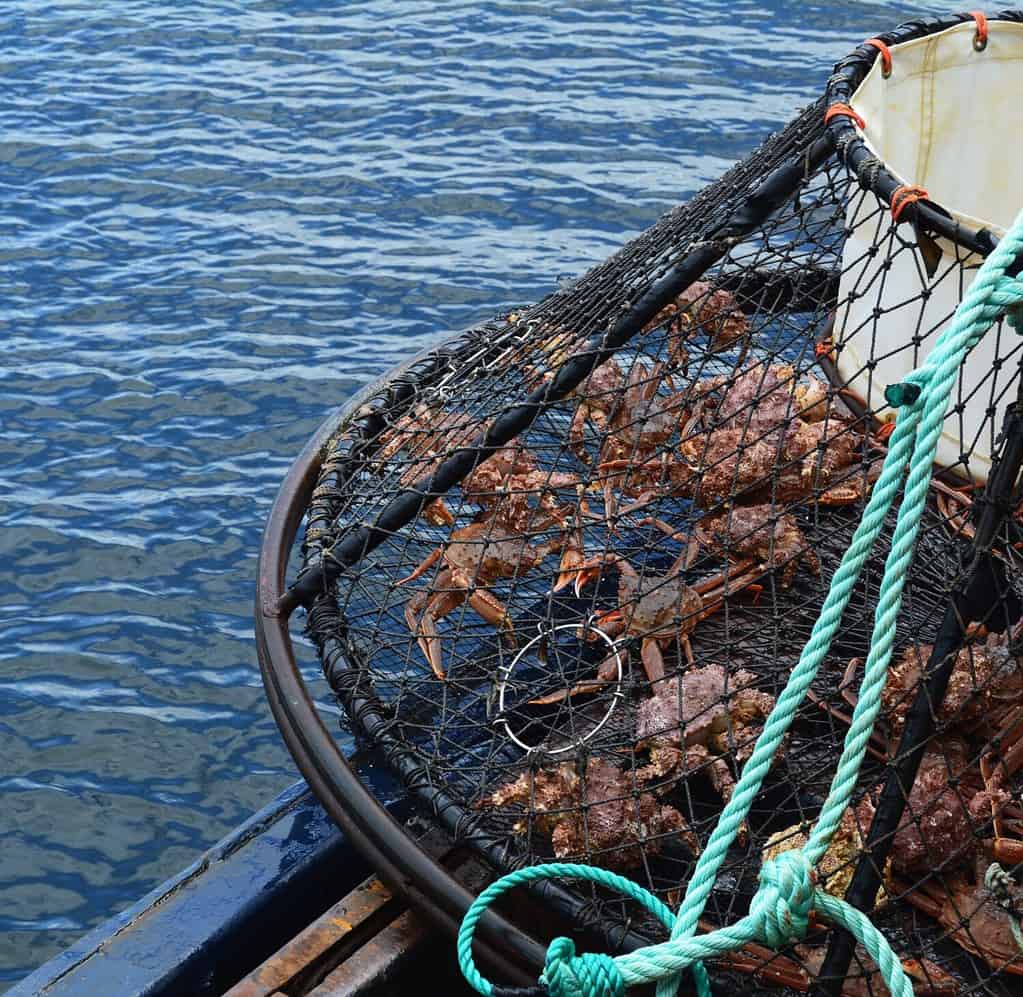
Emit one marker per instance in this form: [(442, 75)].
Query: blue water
[(219, 220)]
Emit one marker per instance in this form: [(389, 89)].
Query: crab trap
[(559, 569)]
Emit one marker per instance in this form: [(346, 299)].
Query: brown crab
[(946, 803), (766, 396), (519, 496), (656, 610), (645, 420), (639, 429), (702, 309), (984, 690), (598, 816), (760, 532), (474, 558), (794, 463), (699, 719), (974, 919)]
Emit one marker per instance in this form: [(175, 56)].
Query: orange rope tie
[(980, 38), (886, 55), (843, 110), (905, 195)]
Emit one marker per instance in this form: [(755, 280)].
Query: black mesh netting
[(571, 650)]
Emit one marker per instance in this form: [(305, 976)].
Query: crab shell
[(837, 866), (966, 908)]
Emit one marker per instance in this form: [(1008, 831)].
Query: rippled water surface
[(219, 220)]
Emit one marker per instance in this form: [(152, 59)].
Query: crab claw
[(421, 614), (583, 571), (573, 560), (438, 514), (611, 617), (884, 433)]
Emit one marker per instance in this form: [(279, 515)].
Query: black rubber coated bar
[(409, 502), (986, 587)]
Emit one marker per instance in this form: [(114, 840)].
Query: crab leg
[(423, 567), (653, 660), (435, 606), (607, 672), (689, 555), (954, 505), (996, 767), (584, 571), (763, 964), (713, 590), (438, 514), (876, 745), (490, 608), (574, 564)]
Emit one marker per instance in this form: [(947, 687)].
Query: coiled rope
[(780, 910)]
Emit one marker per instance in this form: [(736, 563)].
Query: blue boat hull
[(206, 927)]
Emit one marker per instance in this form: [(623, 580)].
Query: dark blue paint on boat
[(201, 930)]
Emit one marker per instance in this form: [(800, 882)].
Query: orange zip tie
[(905, 195), (980, 38), (844, 110), (886, 55)]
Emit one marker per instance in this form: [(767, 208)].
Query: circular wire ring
[(505, 671)]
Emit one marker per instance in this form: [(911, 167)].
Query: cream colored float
[(948, 118)]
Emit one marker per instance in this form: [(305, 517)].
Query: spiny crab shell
[(600, 816), (835, 870), (694, 721), (986, 683)]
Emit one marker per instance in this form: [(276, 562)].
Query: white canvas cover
[(949, 119)]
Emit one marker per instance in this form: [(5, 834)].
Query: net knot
[(785, 898), (588, 975)]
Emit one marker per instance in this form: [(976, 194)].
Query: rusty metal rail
[(366, 941)]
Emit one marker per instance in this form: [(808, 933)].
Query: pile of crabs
[(746, 455)]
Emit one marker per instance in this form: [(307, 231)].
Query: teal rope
[(781, 907)]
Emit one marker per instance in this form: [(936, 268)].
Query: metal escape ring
[(544, 633)]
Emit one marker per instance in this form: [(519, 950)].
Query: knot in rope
[(783, 903), (586, 975), (999, 882)]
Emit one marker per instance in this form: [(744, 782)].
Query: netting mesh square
[(571, 651)]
